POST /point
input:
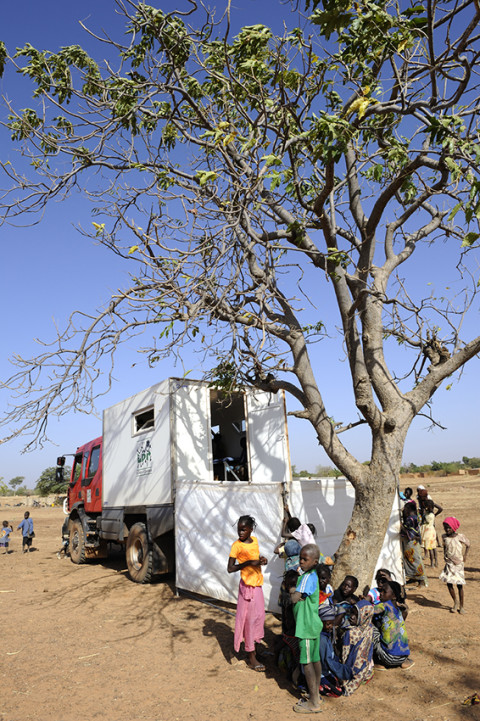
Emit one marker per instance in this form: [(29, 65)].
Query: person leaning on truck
[(27, 531)]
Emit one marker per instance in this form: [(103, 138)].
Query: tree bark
[(363, 539)]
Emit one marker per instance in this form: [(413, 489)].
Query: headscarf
[(358, 648), (453, 522), (326, 612)]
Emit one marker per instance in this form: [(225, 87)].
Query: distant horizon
[(311, 473)]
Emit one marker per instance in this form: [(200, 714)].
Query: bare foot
[(304, 706)]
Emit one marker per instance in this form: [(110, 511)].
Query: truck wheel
[(139, 554), (77, 542)]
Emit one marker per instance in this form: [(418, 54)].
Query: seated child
[(334, 672), (390, 642), (373, 594), (357, 646), (344, 598)]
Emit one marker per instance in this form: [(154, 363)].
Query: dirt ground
[(84, 642)]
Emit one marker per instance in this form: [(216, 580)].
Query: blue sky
[(49, 270)]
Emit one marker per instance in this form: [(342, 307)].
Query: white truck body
[(158, 460), (144, 466)]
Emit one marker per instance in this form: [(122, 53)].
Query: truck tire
[(77, 542), (139, 553)]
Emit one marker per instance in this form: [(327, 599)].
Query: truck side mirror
[(61, 461), (59, 474)]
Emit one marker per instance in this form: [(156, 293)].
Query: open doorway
[(228, 436)]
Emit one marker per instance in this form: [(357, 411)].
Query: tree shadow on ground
[(224, 635), (427, 602), (116, 561)]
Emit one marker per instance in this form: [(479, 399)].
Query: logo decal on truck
[(144, 458)]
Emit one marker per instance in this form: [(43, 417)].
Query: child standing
[(308, 627), (326, 590), (5, 535), (287, 651), (250, 618), (410, 534), (27, 531), (428, 533), (455, 549)]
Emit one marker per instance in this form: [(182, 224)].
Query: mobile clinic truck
[(176, 466)]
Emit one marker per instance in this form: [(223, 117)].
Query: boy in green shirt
[(308, 627)]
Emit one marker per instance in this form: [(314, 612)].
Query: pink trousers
[(250, 618)]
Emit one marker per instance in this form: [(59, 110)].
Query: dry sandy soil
[(84, 642)]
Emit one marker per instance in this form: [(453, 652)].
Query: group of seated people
[(359, 631)]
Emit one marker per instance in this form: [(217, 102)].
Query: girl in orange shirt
[(250, 618)]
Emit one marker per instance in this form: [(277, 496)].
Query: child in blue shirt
[(27, 531), (308, 627), (5, 536)]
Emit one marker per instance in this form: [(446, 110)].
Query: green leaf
[(271, 160), (454, 211), (470, 239), (205, 176)]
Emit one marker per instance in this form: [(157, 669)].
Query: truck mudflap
[(164, 553)]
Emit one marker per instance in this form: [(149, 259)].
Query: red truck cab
[(85, 487)]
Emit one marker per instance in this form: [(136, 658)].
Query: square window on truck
[(144, 420)]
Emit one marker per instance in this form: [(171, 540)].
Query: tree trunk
[(363, 539)]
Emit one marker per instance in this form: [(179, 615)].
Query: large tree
[(246, 176)]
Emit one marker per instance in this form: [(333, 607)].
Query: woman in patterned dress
[(412, 559)]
